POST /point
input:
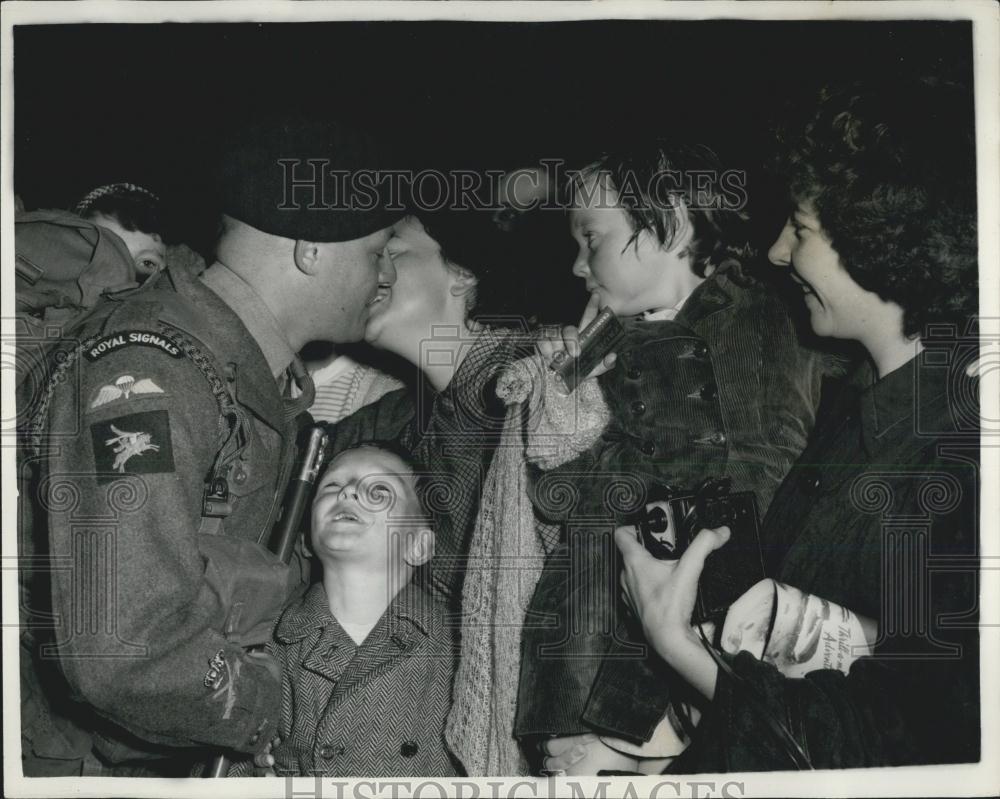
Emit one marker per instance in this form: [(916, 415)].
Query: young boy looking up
[(367, 663)]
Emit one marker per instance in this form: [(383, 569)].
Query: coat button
[(240, 476), (812, 484), (700, 351), (718, 438), (329, 751), (409, 748), (638, 408), (647, 448), (709, 392), (633, 373)]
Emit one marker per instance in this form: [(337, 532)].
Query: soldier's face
[(361, 507), (358, 276)]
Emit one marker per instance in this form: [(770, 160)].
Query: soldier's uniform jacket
[(723, 389), (371, 710), (157, 583)]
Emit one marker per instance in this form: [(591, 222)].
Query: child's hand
[(557, 345), (562, 753), (263, 762)]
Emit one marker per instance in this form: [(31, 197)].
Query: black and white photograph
[(498, 399)]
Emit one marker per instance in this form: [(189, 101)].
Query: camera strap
[(788, 743)]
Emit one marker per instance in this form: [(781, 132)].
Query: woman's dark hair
[(652, 177), (472, 240), (134, 207), (890, 171)]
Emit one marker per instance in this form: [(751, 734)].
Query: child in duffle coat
[(710, 380), (367, 660)]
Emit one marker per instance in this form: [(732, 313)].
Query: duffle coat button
[(409, 748)]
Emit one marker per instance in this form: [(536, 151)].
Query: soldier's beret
[(305, 179)]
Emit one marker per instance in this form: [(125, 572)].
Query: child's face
[(149, 253), (363, 501), (629, 277)]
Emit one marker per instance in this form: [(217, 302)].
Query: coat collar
[(716, 294), (911, 400), (233, 343), (248, 305), (412, 605)]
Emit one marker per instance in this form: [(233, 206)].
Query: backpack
[(63, 265)]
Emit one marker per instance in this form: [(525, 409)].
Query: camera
[(672, 518)]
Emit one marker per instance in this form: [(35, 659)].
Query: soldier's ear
[(419, 546), (307, 256)]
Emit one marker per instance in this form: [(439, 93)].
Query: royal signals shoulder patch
[(137, 443), (131, 338), (124, 387)]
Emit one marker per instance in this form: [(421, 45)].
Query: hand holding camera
[(663, 594), (667, 526)]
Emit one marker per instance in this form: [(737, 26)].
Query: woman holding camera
[(879, 515)]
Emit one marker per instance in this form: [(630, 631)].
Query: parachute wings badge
[(123, 388)]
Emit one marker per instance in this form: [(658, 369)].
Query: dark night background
[(98, 103)]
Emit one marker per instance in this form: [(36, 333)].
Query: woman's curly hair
[(651, 177), (890, 172)]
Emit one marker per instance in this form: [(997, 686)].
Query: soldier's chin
[(374, 328)]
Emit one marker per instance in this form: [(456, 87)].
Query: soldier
[(163, 446)]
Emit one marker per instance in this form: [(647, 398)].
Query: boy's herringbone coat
[(374, 710)]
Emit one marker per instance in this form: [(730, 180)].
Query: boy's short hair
[(650, 178), (135, 208)]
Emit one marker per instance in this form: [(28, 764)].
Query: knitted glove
[(561, 426)]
